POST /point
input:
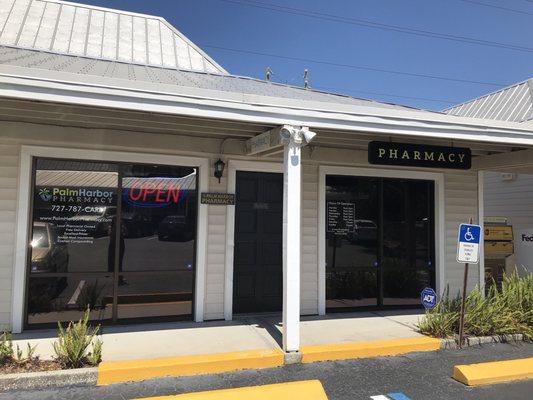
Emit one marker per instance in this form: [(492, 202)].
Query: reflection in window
[(73, 205), (382, 252), (158, 230), (64, 298), (158, 218), (76, 251), (351, 238)]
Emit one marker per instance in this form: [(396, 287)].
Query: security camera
[(285, 132), (308, 135)]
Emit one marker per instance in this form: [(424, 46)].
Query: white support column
[(293, 139), (291, 245)]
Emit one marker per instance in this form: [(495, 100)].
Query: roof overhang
[(58, 87)]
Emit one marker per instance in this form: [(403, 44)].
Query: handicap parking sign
[(468, 243), (428, 298)]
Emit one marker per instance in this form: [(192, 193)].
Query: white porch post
[(291, 246), (293, 140)]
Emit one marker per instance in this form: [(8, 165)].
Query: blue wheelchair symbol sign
[(469, 233), (428, 298)]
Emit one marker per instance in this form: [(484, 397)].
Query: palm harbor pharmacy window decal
[(419, 155), (79, 215)]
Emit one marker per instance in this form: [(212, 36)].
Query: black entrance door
[(379, 241), (257, 272)]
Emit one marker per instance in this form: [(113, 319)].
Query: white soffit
[(99, 33)]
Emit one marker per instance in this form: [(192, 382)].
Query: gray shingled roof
[(129, 73), (99, 33), (513, 103)]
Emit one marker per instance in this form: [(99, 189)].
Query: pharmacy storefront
[(122, 238), (150, 184), (169, 235)]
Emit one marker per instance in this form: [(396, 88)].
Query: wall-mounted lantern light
[(219, 169)]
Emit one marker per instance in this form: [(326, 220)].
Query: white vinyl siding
[(9, 161), (216, 252), (460, 204), (309, 240), (512, 199)]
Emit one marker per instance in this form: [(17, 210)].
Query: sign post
[(467, 252)]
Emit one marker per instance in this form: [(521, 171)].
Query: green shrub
[(6, 348), (505, 310), (73, 343), (95, 356), (443, 319), (30, 354)]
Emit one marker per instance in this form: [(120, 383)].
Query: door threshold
[(257, 314)]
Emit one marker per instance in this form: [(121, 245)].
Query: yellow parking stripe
[(138, 370), (301, 390), (494, 372), (346, 351)]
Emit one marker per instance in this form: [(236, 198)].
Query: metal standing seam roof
[(56, 42), (128, 74), (513, 103), (81, 30)]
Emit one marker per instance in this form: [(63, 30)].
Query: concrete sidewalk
[(150, 341)]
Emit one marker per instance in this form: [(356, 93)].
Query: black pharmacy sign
[(221, 199), (419, 155), (340, 218)]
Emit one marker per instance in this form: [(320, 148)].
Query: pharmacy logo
[(45, 194)]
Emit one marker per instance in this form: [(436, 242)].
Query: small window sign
[(220, 199), (340, 217)]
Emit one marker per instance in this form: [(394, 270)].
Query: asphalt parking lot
[(419, 376)]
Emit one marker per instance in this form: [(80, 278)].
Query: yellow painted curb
[(494, 372), (138, 370), (346, 351), (301, 390)]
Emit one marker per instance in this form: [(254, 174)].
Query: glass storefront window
[(91, 247), (157, 241), (351, 242), (379, 241)]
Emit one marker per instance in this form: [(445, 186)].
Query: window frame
[(22, 234)]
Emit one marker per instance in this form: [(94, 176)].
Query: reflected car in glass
[(365, 230), (136, 225), (47, 255), (175, 228)]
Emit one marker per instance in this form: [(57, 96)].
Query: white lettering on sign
[(468, 243), (429, 298)]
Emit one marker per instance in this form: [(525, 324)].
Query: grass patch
[(504, 310)]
